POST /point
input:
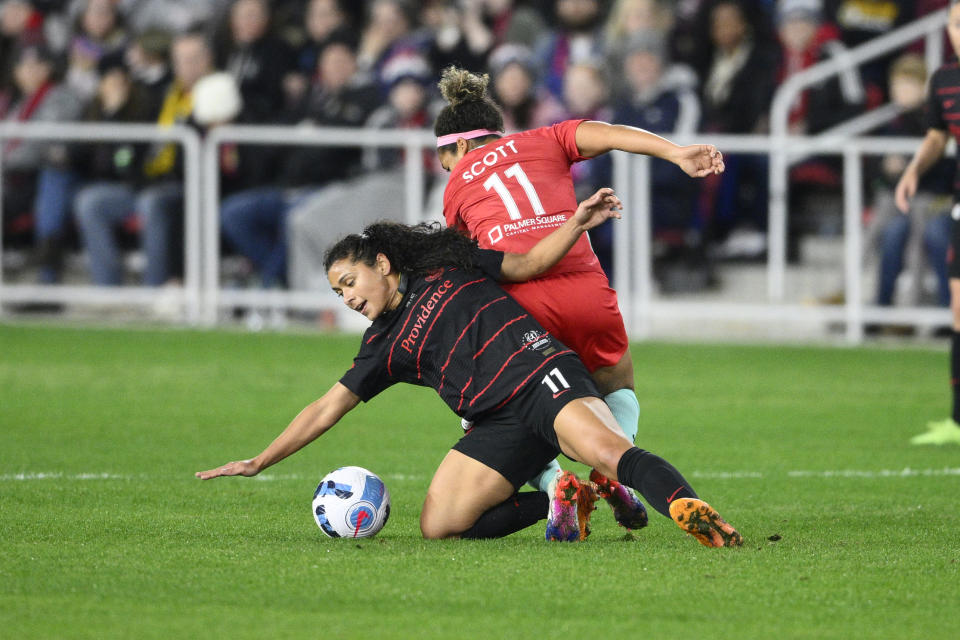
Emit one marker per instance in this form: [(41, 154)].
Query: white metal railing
[(188, 296), (929, 27), (203, 295), (215, 297), (632, 248)]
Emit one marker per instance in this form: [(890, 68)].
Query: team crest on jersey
[(535, 340)]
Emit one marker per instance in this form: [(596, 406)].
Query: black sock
[(955, 373), (517, 512), (655, 478)]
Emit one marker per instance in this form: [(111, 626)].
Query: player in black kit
[(439, 320), (943, 121)]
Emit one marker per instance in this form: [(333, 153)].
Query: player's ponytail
[(469, 106), (411, 249)]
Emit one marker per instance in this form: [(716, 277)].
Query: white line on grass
[(906, 472)]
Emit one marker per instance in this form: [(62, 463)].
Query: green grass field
[(105, 533)]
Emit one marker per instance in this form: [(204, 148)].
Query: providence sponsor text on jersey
[(459, 333)]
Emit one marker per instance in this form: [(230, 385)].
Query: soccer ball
[(351, 502)]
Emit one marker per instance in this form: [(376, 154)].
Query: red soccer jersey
[(510, 193)]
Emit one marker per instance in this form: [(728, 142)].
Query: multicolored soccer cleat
[(628, 511), (702, 521), (942, 432), (571, 504)]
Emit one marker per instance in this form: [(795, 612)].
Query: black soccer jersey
[(943, 107), (459, 333)]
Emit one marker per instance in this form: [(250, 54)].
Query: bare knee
[(442, 521), (432, 531), (435, 528)]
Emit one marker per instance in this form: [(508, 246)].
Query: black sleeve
[(933, 112), (368, 375), (488, 262)]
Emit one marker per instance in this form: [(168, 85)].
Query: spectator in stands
[(35, 177), (455, 34), (863, 20), (257, 59), (924, 229), (20, 25), (525, 103), (586, 94), (577, 38), (159, 199), (410, 79), (378, 192), (815, 183), (735, 96), (254, 220), (323, 19), (390, 28), (341, 96), (110, 172), (630, 18), (98, 31), (658, 99), (738, 86), (147, 58), (805, 39), (172, 16), (509, 20)]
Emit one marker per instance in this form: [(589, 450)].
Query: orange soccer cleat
[(700, 520)]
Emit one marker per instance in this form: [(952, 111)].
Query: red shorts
[(580, 309)]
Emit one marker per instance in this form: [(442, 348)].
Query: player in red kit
[(509, 191)]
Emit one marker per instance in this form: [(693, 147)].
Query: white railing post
[(413, 174), (852, 243), (642, 250), (193, 229), (779, 125), (777, 220), (211, 227), (623, 239), (188, 295)]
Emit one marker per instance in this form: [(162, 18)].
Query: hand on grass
[(238, 468)]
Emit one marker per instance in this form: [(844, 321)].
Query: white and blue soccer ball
[(351, 502)]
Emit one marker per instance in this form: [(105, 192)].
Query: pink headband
[(466, 135)]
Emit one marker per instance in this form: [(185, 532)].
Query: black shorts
[(519, 440), (953, 253)]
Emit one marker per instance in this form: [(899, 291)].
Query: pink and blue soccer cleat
[(628, 511), (571, 503)]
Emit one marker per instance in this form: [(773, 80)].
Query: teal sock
[(626, 410), (542, 481)]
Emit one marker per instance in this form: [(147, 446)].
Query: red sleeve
[(566, 134), (450, 208)]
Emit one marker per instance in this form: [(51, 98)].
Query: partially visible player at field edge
[(438, 320), (508, 191), (943, 119)]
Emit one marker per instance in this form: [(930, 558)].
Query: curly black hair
[(411, 249), (469, 105)]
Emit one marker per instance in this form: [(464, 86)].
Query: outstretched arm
[(930, 150), (697, 160), (309, 425), (519, 267)]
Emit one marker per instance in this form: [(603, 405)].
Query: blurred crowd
[(678, 67)]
